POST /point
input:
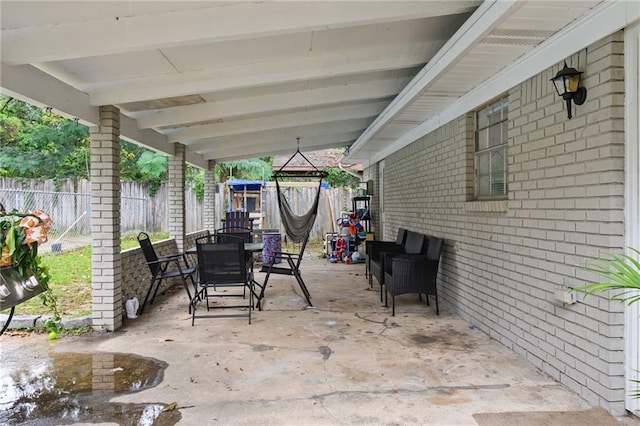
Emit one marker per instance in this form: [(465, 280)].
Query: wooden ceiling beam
[(129, 29)]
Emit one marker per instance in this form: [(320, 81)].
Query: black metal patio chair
[(163, 268), (246, 234), (290, 266), (231, 234), (222, 272)]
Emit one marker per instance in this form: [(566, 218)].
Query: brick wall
[(503, 260)]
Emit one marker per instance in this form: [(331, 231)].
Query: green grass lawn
[(71, 280)]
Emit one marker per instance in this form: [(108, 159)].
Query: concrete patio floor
[(346, 361)]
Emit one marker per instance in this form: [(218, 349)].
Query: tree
[(249, 169), (129, 155), (340, 179), (37, 143), (195, 177), (153, 167)]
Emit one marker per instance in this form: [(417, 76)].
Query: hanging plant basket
[(21, 276)]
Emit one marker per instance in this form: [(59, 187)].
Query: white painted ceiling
[(241, 79)]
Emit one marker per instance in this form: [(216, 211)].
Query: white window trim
[(477, 197)]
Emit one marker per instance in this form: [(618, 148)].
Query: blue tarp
[(254, 185), (251, 185)]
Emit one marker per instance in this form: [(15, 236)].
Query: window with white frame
[(491, 150)]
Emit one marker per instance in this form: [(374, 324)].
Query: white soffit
[(217, 76), (227, 83), (524, 39)]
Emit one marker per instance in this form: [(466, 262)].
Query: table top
[(251, 247)]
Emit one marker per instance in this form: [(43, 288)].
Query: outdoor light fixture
[(567, 82)]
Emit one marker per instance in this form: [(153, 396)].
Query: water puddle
[(72, 388)]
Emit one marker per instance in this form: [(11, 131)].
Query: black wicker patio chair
[(415, 274), (415, 243), (375, 247)]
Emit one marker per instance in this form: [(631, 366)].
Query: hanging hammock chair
[(297, 227)]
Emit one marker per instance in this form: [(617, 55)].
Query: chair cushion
[(401, 236), (415, 243)]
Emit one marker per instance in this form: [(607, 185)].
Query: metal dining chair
[(222, 273), (163, 268)]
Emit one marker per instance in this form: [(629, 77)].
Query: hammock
[(297, 227)]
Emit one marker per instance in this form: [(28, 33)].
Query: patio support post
[(106, 266), (176, 195), (211, 210)]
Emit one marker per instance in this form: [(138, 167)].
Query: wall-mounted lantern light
[(567, 82)]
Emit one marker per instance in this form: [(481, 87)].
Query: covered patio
[(344, 361), (402, 87)]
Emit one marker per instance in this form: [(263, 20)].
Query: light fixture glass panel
[(558, 83), (571, 82)]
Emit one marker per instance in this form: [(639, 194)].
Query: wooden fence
[(68, 203)]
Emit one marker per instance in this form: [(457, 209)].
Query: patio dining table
[(248, 247)]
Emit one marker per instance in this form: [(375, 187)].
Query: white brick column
[(210, 208), (106, 276), (176, 195)]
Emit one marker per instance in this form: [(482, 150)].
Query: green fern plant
[(620, 273)]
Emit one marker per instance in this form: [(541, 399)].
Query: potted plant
[(20, 235)]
